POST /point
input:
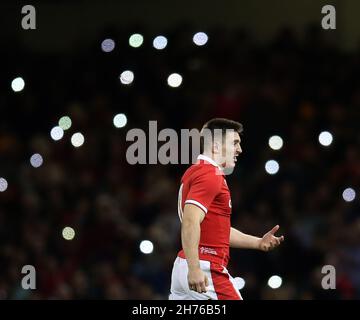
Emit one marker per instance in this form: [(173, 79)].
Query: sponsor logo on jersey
[(205, 250)]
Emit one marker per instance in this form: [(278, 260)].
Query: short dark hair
[(222, 124)]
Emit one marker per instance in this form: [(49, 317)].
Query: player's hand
[(269, 241), (197, 280)]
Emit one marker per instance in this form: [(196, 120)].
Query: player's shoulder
[(202, 170)]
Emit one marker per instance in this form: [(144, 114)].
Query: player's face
[(231, 149)]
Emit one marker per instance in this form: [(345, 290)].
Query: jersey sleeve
[(203, 190)]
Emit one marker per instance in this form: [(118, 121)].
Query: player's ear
[(216, 147)]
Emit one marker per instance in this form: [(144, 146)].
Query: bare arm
[(190, 237), (239, 239), (190, 233), (269, 241)]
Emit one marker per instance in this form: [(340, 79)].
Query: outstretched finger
[(273, 230)]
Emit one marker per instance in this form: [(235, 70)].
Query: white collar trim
[(208, 159)]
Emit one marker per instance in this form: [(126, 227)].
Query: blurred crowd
[(295, 86)]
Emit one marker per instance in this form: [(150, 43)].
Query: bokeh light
[(325, 138), (275, 282), (65, 123), (120, 120), (160, 42), (349, 194), (108, 45), (77, 139), (127, 77), (240, 282), (18, 84), (136, 40), (3, 184), (56, 133), (174, 80), (68, 233), (36, 160), (272, 167), (200, 38), (275, 142), (146, 247)]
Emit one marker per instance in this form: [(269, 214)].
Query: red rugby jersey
[(204, 185)]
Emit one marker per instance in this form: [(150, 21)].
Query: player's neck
[(213, 158)]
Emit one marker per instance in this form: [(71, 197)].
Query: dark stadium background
[(267, 64)]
